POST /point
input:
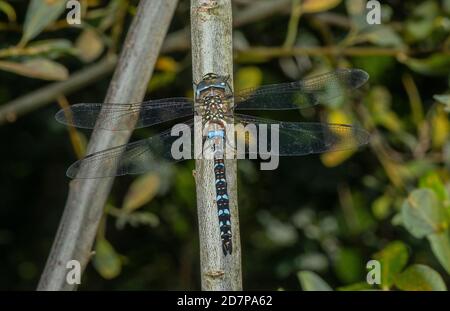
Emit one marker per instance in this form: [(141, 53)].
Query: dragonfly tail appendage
[(223, 206)]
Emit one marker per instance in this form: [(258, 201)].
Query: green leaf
[(349, 265), (445, 100), (312, 282), (420, 278), (423, 214), (52, 47), (383, 36), (421, 23), (436, 65), (248, 77), (6, 8), (356, 287), (89, 45), (433, 181), (357, 12), (106, 260), (381, 207), (39, 68), (315, 6), (161, 79), (142, 190), (440, 245), (40, 14), (393, 259)]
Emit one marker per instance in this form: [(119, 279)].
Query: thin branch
[(275, 52), (87, 197), (10, 111), (212, 52)]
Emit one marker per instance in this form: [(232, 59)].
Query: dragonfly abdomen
[(223, 208), (222, 200)]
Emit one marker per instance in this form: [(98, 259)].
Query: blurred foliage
[(326, 215)]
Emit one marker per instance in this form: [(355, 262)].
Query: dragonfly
[(217, 106)]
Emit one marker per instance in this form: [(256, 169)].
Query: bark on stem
[(212, 52), (87, 197)]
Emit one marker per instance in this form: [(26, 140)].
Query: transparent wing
[(301, 94), (122, 116), (296, 138), (133, 158)]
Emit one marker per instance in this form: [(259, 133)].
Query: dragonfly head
[(212, 81)]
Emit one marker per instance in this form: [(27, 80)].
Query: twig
[(9, 112), (212, 52), (87, 197), (269, 52)]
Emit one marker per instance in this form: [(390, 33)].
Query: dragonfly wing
[(298, 138), (133, 158), (125, 116), (301, 94)]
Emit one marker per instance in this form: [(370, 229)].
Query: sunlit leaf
[(40, 14), (381, 207), (332, 159), (168, 64), (420, 278), (312, 282), (38, 68), (6, 8), (445, 100), (315, 6), (393, 258), (248, 77), (440, 126), (433, 181), (89, 45), (423, 214), (141, 191), (106, 260)]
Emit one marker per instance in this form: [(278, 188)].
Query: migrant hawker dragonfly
[(216, 104)]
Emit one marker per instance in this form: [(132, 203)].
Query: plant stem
[(212, 52)]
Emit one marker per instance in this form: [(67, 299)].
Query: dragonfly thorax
[(211, 97), (213, 107)]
